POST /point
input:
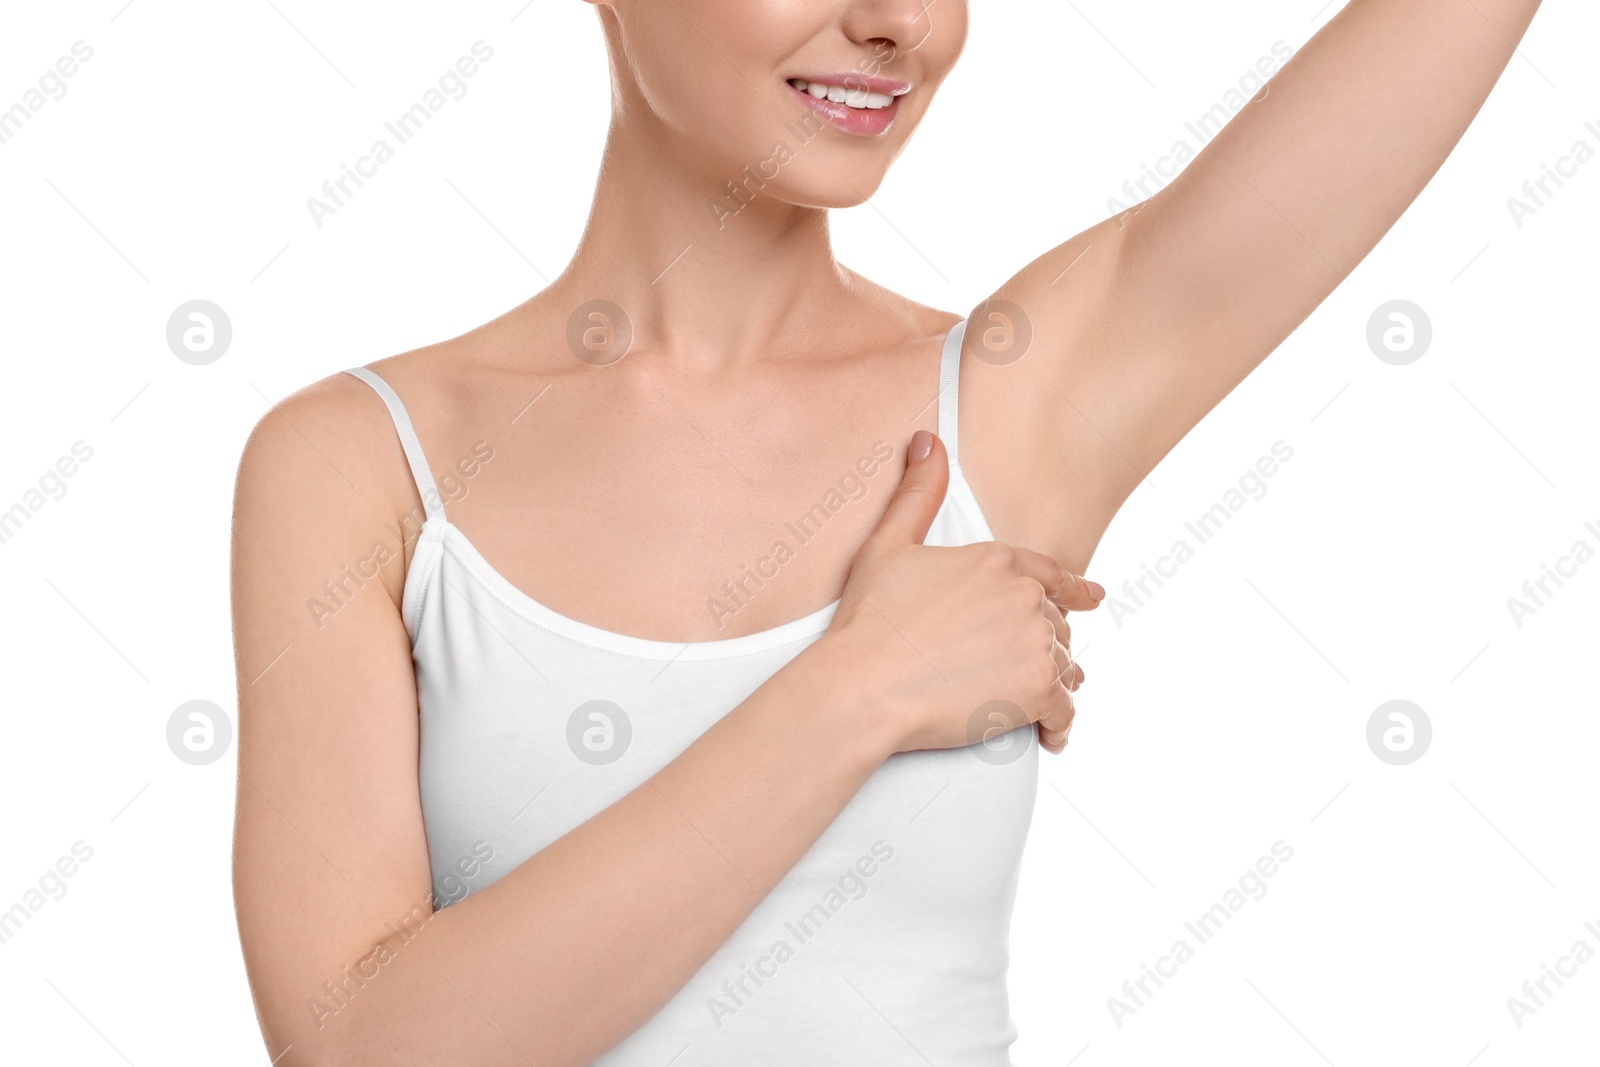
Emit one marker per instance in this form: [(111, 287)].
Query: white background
[(1227, 713)]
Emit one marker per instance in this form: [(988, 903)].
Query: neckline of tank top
[(454, 539)]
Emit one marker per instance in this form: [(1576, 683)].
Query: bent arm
[(1144, 322), (1298, 188), (579, 945)]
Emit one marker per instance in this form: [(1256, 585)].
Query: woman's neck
[(708, 275)]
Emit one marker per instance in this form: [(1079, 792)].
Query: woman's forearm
[(579, 945)]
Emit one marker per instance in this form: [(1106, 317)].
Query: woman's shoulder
[(336, 424), (344, 414), (324, 467)]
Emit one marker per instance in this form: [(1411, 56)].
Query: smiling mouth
[(850, 96)]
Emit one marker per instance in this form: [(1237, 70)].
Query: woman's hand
[(958, 643)]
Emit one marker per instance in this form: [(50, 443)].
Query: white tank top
[(887, 943)]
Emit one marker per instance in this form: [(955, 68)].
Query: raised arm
[(1165, 308), (565, 955)]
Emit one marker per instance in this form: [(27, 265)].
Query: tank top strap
[(432, 502), (950, 388)]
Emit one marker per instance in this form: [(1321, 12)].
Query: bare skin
[(759, 370)]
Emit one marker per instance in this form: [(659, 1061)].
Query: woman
[(637, 679)]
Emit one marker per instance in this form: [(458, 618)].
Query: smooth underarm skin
[(578, 946)]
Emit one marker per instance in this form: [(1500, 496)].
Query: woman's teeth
[(838, 94)]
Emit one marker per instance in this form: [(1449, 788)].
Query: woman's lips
[(869, 121)]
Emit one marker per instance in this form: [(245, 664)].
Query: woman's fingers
[(1066, 670), (1070, 673), (1069, 591), (1053, 729), (1058, 619), (1056, 724)]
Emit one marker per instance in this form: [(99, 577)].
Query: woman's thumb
[(921, 491)]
